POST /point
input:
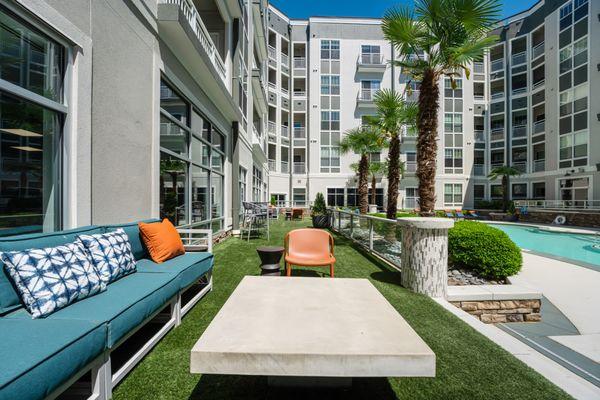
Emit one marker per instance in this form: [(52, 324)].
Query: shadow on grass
[(212, 387)]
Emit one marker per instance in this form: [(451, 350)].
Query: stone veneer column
[(425, 255)]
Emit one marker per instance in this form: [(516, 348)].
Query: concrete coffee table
[(310, 327)]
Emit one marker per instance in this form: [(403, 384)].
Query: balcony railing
[(285, 59), (191, 14), (539, 126), (299, 132), (497, 65), (497, 95), (520, 166), (537, 51), (284, 131), (539, 165), (539, 83), (272, 53), (272, 85), (285, 91), (367, 94), (299, 93), (285, 167), (497, 134), (478, 169), (479, 136), (519, 58), (478, 68), (299, 62), (370, 59), (272, 165), (272, 127), (299, 168), (410, 166), (519, 131)]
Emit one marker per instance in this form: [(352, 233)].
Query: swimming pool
[(576, 247)]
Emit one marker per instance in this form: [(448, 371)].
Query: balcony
[(299, 93), (285, 167), (299, 63), (285, 131), (365, 98), (272, 127), (299, 132), (272, 86), (370, 62), (259, 143), (519, 58), (285, 92), (521, 166), (519, 131), (410, 167), (285, 59), (299, 168), (272, 53), (183, 31), (497, 134), (539, 165), (539, 126), (497, 65), (272, 165), (537, 51), (478, 169), (478, 68), (497, 95), (258, 89)]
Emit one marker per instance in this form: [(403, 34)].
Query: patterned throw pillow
[(51, 278), (111, 254)]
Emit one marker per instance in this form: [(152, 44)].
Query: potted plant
[(320, 219)]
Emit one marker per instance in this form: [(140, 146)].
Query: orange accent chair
[(309, 248)]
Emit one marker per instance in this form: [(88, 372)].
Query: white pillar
[(425, 255)]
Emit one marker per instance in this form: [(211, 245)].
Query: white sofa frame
[(104, 379)]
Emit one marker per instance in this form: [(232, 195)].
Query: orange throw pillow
[(162, 240)]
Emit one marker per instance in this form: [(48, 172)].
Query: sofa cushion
[(9, 299), (53, 277), (125, 304), (39, 355), (111, 254), (188, 267), (162, 240), (132, 230)]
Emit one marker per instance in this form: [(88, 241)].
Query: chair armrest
[(194, 238)]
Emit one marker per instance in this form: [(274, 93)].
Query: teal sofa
[(40, 358)]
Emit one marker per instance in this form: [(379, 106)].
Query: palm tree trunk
[(427, 121), (393, 176), (363, 181), (373, 187), (505, 193)]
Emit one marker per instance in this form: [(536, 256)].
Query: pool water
[(576, 247)]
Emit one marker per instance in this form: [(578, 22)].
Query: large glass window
[(192, 154), (30, 134), (453, 194)]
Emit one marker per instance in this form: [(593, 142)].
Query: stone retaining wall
[(494, 311), (578, 218)]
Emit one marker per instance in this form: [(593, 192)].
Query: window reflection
[(173, 178), (172, 137), (199, 205)]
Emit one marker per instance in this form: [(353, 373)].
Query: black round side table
[(269, 258)]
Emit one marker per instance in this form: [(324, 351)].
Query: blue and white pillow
[(111, 254), (52, 278)]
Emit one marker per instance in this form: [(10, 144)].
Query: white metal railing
[(272, 127), (272, 165), (539, 126), (478, 96), (519, 58), (299, 62), (478, 169), (367, 94), (272, 85), (479, 136), (537, 50), (410, 166), (299, 167), (299, 132), (285, 59), (560, 204), (539, 83), (380, 236), (285, 167), (521, 166), (285, 91), (539, 165), (519, 131), (370, 59), (272, 53), (193, 17), (497, 95), (299, 93), (497, 65), (284, 131), (478, 68)]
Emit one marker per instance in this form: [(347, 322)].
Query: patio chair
[(255, 219), (309, 248), (459, 214), (297, 213), (449, 214), (473, 214)]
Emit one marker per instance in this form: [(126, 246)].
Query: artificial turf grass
[(469, 366)]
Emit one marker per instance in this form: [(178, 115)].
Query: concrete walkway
[(573, 290)]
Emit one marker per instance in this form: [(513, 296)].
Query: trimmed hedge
[(483, 249)]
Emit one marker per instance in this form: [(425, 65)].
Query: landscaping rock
[(460, 277)]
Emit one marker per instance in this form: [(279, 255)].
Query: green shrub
[(483, 249), (319, 207)]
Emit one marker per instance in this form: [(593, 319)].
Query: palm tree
[(376, 168), (392, 114), (505, 172), (362, 141), (439, 38)]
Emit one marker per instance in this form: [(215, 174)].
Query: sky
[(303, 9)]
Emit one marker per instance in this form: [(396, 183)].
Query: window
[(257, 184), (519, 190), (453, 194), (370, 54), (378, 197), (330, 84), (351, 197), (369, 89), (330, 141), (496, 191), (411, 198), (330, 49), (242, 176), (538, 190), (479, 192), (453, 91), (453, 161), (30, 134), (335, 197), (453, 122), (191, 164), (299, 196)]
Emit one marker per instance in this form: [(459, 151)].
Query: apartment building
[(115, 111), (526, 104)]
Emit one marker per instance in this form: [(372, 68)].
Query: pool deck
[(573, 290)]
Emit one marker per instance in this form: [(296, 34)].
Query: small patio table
[(270, 256)]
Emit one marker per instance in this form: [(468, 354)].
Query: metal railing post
[(370, 234), (351, 225)]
